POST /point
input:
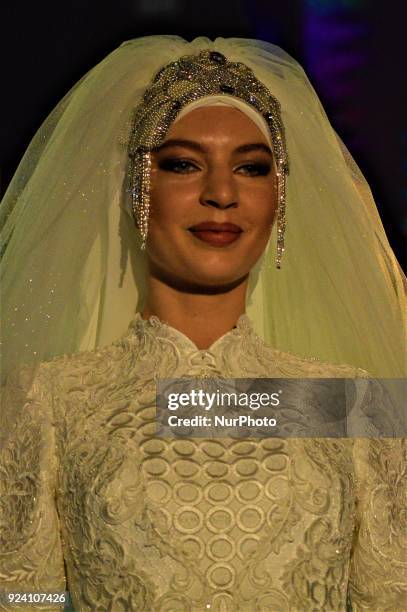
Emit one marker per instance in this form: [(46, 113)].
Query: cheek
[(170, 203), (262, 208)]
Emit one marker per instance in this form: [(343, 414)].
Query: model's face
[(214, 167)]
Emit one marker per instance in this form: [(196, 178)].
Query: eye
[(255, 169), (179, 166)]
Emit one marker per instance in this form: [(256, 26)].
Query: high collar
[(153, 326), (165, 352)]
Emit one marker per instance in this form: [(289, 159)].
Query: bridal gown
[(95, 503)]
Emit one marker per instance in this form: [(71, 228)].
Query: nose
[(219, 189)]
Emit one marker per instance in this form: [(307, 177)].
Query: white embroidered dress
[(129, 521)]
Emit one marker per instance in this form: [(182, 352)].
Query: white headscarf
[(229, 101)]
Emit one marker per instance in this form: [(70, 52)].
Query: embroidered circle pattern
[(218, 498)]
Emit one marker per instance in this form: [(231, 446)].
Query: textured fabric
[(150, 524)]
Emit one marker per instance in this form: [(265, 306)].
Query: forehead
[(225, 122)]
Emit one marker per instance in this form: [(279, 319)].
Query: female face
[(213, 199)]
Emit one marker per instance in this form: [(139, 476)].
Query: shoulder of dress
[(312, 366), (89, 359)]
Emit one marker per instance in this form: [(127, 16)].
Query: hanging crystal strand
[(140, 192), (135, 185), (281, 178), (144, 212)]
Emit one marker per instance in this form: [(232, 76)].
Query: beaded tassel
[(141, 183), (281, 180)]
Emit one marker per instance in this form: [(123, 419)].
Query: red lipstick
[(216, 234)]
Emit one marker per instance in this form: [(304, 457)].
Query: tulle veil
[(72, 273)]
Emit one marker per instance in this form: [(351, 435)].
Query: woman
[(137, 522)]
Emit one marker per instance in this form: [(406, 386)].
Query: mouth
[(216, 234)]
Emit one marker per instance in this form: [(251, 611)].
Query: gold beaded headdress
[(176, 85)]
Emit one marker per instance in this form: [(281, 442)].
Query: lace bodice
[(93, 499)]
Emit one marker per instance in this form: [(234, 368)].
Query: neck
[(202, 317)]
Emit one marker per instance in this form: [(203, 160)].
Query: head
[(214, 166), (223, 177)]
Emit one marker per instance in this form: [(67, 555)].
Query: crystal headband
[(176, 85)]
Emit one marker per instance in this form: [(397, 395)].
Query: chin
[(216, 278)]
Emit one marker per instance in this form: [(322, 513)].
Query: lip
[(212, 226), (216, 234)]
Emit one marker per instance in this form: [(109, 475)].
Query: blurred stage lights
[(156, 8), (330, 6)]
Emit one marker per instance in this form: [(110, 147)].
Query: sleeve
[(31, 559), (378, 568)]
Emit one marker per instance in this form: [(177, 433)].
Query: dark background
[(352, 50)]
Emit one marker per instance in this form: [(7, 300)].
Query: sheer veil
[(72, 271)]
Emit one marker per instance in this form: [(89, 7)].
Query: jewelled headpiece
[(176, 85)]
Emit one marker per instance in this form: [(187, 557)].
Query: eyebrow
[(196, 146)]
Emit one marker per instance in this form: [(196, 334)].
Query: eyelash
[(175, 165)]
